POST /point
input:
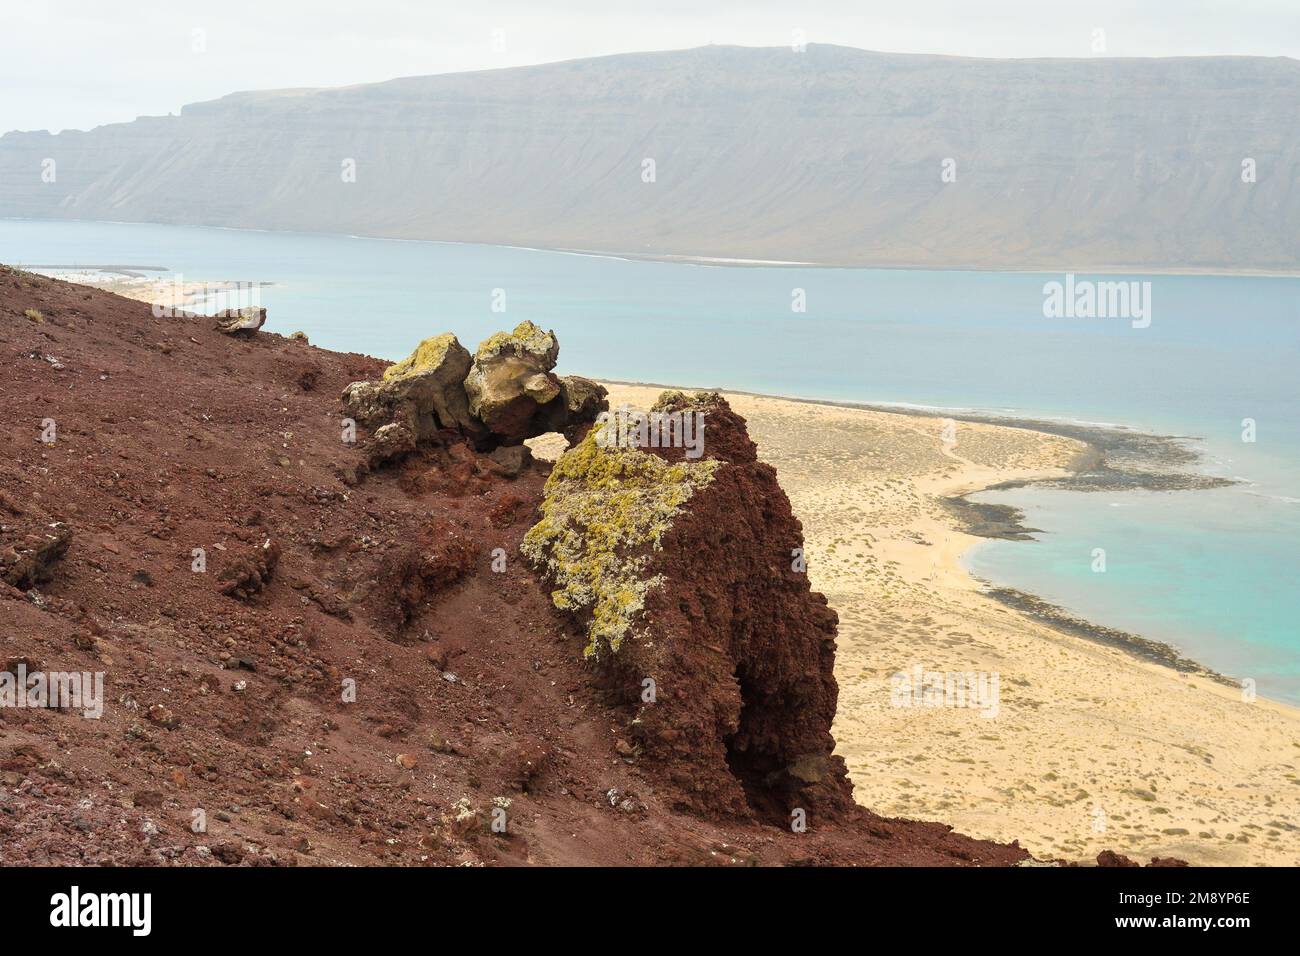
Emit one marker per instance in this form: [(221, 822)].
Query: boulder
[(580, 401), (247, 319), (424, 392), (511, 379), (512, 459), (643, 547), (390, 442), (501, 396), (513, 391)]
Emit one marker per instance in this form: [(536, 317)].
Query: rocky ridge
[(823, 154)]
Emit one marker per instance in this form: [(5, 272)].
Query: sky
[(76, 64)]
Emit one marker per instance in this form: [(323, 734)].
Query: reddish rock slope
[(225, 687)]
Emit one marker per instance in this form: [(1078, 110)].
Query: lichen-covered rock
[(431, 355), (682, 571), (364, 402), (510, 380), (605, 510), (502, 395), (424, 391), (672, 399), (527, 340)]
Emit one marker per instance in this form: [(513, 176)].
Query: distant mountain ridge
[(832, 155)]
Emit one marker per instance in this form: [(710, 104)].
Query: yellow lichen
[(428, 355), (674, 399), (605, 511), (526, 337)]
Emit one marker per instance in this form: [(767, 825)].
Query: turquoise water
[(1213, 572)]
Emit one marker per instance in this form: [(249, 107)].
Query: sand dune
[(1091, 748)]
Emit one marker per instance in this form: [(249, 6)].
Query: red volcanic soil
[(225, 687)]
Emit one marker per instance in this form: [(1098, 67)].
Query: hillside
[(333, 569), (833, 155)]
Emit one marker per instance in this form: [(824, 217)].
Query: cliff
[(831, 155)]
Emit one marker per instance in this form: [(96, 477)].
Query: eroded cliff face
[(341, 657), (700, 617), (755, 645), (827, 155)]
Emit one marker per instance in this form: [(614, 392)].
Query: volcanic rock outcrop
[(506, 393), (421, 394), (698, 619), (513, 391)]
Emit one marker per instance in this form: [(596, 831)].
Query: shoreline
[(200, 297), (727, 262), (1157, 652), (1147, 460), (1088, 472), (883, 266), (1097, 742)]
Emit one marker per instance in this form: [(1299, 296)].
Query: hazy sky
[(82, 63)]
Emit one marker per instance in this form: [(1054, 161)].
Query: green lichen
[(526, 338), (670, 399), (673, 400), (428, 355), (605, 511)]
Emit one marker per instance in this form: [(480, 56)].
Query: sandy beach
[(166, 291), (1091, 747)]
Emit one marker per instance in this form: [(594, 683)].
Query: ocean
[(1212, 359)]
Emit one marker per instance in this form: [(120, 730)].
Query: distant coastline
[(728, 262), (888, 265)]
